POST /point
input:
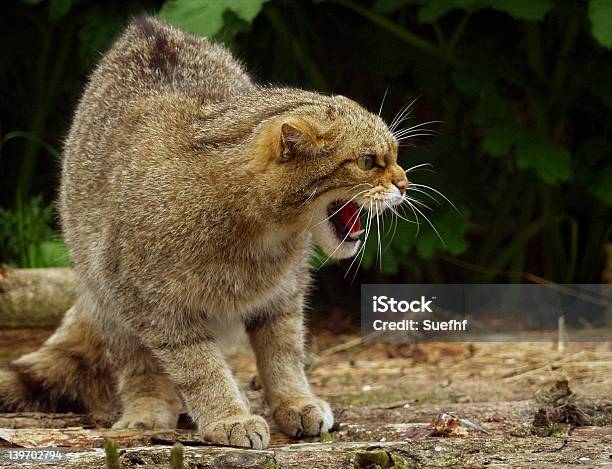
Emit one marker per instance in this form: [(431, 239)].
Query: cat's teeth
[(356, 234)]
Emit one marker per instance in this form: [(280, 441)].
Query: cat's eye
[(365, 162)]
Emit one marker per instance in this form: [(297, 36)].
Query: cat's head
[(331, 161)]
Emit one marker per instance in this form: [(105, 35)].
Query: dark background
[(524, 90)]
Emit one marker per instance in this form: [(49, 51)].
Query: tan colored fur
[(187, 204)]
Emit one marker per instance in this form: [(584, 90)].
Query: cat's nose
[(401, 183)]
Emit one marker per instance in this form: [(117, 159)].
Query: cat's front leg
[(212, 396), (278, 340)]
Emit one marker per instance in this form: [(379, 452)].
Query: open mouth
[(344, 217)]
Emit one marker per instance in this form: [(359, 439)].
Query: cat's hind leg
[(148, 397), (68, 373)]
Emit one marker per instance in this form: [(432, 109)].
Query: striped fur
[(186, 220)]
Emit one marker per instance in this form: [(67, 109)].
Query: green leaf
[(451, 226), (600, 14), (481, 83), (499, 141), (435, 9), (601, 184), (492, 108), (551, 162), (394, 249), (206, 18), (531, 10)]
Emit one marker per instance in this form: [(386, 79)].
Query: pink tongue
[(348, 215)]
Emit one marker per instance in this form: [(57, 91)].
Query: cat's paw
[(148, 414), (250, 431), (304, 416)]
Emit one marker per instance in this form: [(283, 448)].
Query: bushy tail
[(69, 372)]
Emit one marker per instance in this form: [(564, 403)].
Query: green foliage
[(600, 14), (499, 141), (551, 162), (28, 240), (523, 87), (206, 18), (176, 457), (111, 454), (532, 10), (434, 9), (451, 226)]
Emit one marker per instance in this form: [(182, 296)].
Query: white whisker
[(405, 137), (415, 221), (415, 217), (424, 186), (415, 189), (378, 237), (407, 129), (401, 116), (417, 201), (357, 185), (362, 248), (310, 197), (393, 226), (416, 133), (382, 103), (396, 120), (430, 224), (418, 166), (364, 244)]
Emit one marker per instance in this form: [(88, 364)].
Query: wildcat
[(190, 198)]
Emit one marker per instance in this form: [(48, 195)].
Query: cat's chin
[(325, 236)]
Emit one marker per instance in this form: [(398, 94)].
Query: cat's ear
[(293, 141)]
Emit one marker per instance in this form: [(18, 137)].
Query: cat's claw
[(305, 416), (250, 431)]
